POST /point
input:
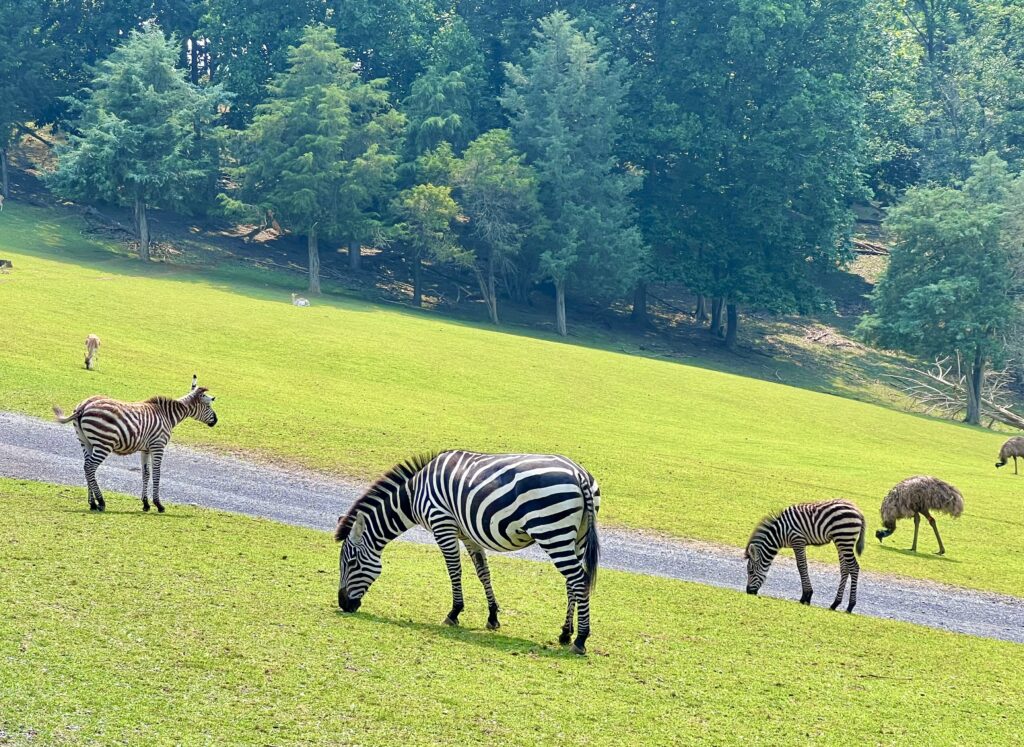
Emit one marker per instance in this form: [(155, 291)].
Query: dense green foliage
[(678, 446), (199, 627)]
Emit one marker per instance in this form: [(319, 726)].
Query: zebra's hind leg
[(448, 540), (483, 572), (86, 456), (156, 456), (844, 572), (570, 612), (563, 554), (145, 480), (92, 463), (854, 573)]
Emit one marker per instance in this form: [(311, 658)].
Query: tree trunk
[(5, 184), (488, 291), (732, 325), (639, 315), (974, 388), (717, 304), (701, 312), (560, 308), (142, 228), (354, 255), (417, 282), (314, 261), (194, 60)]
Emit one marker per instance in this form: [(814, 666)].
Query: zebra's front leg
[(448, 541), (156, 456), (483, 572), (145, 480), (805, 579)]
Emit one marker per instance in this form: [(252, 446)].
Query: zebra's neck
[(174, 410), (388, 515), (772, 535)]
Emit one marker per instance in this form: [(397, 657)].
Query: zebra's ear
[(357, 528), (195, 380)]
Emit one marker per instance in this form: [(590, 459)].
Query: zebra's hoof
[(145, 507), (93, 507), (493, 625), (833, 607), (450, 622), (159, 508), (565, 638), (102, 507), (580, 650)]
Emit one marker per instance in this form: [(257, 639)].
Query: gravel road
[(38, 450)]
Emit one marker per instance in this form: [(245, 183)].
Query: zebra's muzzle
[(346, 604), (752, 590)]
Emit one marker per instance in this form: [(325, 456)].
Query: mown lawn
[(198, 627), (352, 387)]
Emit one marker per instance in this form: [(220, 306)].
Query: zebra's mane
[(765, 521), (398, 475)]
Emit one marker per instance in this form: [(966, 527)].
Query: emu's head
[(759, 560), (201, 404), (359, 561)]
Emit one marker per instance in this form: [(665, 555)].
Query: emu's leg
[(805, 579), (92, 463), (562, 552), (844, 572), (448, 541), (483, 572), (935, 528), (1015, 464), (145, 479), (156, 456), (917, 525)]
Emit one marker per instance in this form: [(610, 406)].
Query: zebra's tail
[(860, 539), (59, 415), (592, 554)]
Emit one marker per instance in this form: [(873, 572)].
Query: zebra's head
[(759, 559), (201, 404), (359, 564)]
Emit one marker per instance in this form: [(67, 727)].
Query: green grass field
[(352, 387), (197, 627)]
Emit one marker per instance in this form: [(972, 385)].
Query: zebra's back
[(505, 501), (121, 427), (823, 522)]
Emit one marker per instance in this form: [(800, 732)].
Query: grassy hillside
[(201, 627), (352, 387)]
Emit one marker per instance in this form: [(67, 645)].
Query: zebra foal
[(499, 502), (806, 524), (106, 426)]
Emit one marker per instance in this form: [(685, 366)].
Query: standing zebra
[(500, 502), (806, 524), (105, 425)]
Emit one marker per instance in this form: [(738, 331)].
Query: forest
[(594, 147)]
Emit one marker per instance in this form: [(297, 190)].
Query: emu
[(915, 496), (92, 345), (298, 300), (105, 425), (1014, 447), (806, 524)]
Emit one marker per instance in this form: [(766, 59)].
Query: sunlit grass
[(351, 387), (197, 627)]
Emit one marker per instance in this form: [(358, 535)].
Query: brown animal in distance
[(919, 495), (92, 345), (1014, 447)]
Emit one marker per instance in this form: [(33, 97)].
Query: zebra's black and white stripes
[(806, 524), (499, 502), (106, 426)]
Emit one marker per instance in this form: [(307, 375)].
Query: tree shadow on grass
[(495, 639), (922, 555)]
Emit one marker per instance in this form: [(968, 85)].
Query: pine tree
[(426, 214), (565, 104), (320, 152), (145, 136)]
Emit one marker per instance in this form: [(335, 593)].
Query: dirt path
[(38, 450)]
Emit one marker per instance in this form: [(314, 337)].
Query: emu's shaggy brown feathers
[(920, 493), (400, 474), (1014, 447)]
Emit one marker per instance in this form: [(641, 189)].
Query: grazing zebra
[(105, 425), (806, 524), (500, 502)]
